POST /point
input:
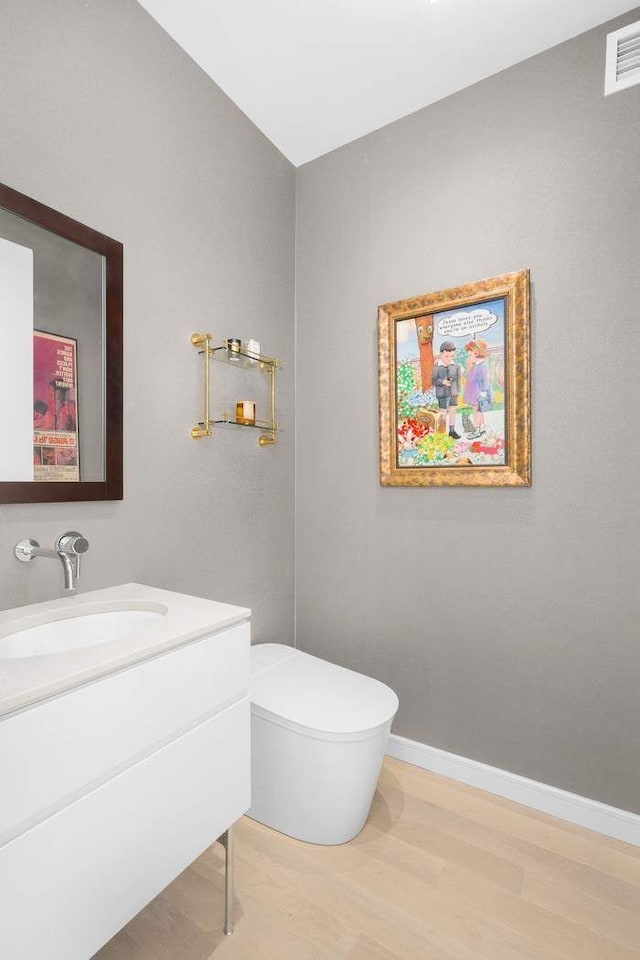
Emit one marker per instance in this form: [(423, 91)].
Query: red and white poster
[(55, 408)]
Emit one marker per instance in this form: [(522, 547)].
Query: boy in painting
[(42, 416), (477, 389), (446, 379)]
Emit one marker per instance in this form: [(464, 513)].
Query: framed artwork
[(454, 386), (55, 408)]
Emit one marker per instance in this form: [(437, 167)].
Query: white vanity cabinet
[(111, 788)]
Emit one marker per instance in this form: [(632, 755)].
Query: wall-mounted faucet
[(69, 547)]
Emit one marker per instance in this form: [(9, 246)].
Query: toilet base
[(315, 790)]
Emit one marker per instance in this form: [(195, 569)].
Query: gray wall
[(506, 620), (104, 118)]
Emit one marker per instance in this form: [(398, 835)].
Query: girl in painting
[(477, 390), (65, 412)]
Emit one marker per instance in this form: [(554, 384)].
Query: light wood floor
[(441, 871)]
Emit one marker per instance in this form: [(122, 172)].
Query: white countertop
[(24, 681)]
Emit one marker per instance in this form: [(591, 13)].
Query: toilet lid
[(295, 689)]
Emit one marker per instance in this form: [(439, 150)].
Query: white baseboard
[(621, 824)]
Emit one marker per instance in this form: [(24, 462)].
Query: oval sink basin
[(73, 633)]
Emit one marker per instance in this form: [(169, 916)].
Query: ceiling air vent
[(622, 69)]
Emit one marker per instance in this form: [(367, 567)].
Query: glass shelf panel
[(244, 360), (230, 420)]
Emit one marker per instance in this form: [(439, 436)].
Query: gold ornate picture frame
[(455, 386)]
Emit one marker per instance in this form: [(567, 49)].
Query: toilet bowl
[(319, 734)]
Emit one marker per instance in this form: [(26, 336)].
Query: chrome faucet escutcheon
[(69, 548)]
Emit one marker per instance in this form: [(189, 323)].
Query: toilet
[(319, 734)]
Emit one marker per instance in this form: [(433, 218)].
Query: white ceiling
[(315, 74)]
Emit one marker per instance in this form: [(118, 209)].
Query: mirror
[(61, 389)]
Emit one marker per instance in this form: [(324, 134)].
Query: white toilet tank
[(319, 734)]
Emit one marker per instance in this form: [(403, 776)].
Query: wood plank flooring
[(442, 871)]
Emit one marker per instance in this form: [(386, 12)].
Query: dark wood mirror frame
[(110, 488)]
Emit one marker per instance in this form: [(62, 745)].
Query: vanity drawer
[(71, 883), (77, 740)]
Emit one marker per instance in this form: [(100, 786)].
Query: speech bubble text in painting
[(465, 323)]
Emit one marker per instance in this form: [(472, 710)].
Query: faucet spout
[(70, 574), (32, 549)]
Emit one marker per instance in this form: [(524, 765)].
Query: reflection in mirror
[(54, 287), (61, 390)]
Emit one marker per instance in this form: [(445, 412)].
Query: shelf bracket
[(266, 439), (202, 341)]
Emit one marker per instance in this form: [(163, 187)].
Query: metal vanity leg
[(227, 842)]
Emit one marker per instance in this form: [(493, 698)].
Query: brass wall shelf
[(269, 429)]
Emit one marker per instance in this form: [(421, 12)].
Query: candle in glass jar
[(246, 411)]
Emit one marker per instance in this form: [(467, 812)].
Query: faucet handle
[(72, 543)]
